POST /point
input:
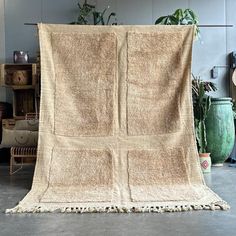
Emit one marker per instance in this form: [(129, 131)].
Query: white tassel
[(117, 209)]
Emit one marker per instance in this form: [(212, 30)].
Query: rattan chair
[(22, 156)]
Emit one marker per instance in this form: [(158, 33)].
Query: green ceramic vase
[(220, 130)]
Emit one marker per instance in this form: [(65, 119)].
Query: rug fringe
[(116, 209)]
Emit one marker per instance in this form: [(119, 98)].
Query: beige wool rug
[(116, 122)]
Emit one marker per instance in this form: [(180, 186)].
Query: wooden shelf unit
[(19, 87), (24, 96)]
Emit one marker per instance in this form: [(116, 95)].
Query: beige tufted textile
[(116, 122)]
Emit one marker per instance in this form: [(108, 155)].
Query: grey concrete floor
[(199, 223)]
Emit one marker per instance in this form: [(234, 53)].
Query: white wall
[(18, 12), (211, 50), (215, 43), (2, 45)]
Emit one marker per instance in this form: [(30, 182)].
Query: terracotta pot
[(205, 161)]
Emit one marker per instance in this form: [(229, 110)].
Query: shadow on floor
[(200, 223)]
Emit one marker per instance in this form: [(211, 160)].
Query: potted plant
[(201, 107), (88, 11), (180, 17)]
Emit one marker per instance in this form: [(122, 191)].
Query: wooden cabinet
[(22, 79)]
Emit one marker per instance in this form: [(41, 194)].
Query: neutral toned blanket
[(116, 122)]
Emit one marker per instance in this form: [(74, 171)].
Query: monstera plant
[(201, 107), (88, 11), (180, 17)]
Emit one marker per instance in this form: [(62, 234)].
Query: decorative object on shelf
[(220, 130), (205, 161), (21, 77), (180, 17), (87, 12), (201, 107), (20, 57)]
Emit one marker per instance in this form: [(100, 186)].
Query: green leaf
[(102, 21), (96, 17), (201, 134), (89, 5), (180, 17), (113, 14), (201, 92), (160, 20), (191, 15), (173, 20), (207, 106), (179, 14)]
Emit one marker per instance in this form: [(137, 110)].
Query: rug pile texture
[(116, 122)]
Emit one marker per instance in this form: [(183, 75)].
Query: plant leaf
[(109, 17), (179, 14), (173, 20), (201, 134), (160, 20)]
